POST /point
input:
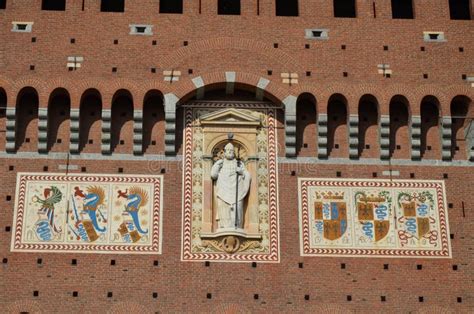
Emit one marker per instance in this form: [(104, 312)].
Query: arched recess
[(122, 122), (59, 110), (462, 133), (368, 127), (337, 126), (430, 130), (153, 123), (3, 119), (306, 137), (90, 121), (399, 128), (27, 105)]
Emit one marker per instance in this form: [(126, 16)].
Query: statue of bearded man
[(232, 186)]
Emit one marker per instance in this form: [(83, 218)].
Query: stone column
[(290, 126), (415, 134), (354, 136), (10, 135), (106, 131), (384, 137), (75, 131), (446, 138), (170, 118), (323, 136), (138, 132), (43, 130)]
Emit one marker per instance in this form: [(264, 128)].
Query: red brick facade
[(200, 43)]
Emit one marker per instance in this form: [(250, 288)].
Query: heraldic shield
[(332, 218), (373, 212)]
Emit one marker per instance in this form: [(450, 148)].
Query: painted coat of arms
[(378, 218), (93, 213)]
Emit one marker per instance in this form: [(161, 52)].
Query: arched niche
[(430, 128), (27, 119), (153, 123), (399, 127), (59, 109), (337, 126), (306, 130), (122, 122), (368, 126), (90, 121)]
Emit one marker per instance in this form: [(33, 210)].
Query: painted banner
[(379, 218), (93, 213)]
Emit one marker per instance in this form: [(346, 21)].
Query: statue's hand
[(240, 170), (220, 163)]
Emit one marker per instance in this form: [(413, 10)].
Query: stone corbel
[(323, 136), (290, 126), (75, 131), (446, 138), (137, 132), (353, 136), (170, 118), (415, 134), (384, 137), (43, 130), (10, 145), (106, 131)]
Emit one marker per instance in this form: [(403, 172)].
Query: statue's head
[(229, 151)]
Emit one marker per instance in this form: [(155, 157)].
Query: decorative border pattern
[(187, 254), (20, 206), (307, 249)]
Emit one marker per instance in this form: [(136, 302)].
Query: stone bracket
[(384, 137), (75, 131), (170, 118), (415, 135), (446, 138), (322, 135), (137, 132), (106, 147), (353, 136), (10, 136), (43, 130), (290, 126)]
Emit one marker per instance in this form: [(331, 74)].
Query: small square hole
[(464, 76), (445, 175), (422, 48), (39, 261), (419, 267), (459, 300), (306, 297), (209, 295), (83, 169), (367, 146), (32, 67), (382, 298), (412, 175), (109, 294), (207, 263), (185, 43), (5, 260), (451, 236), (343, 47), (120, 170), (305, 145), (35, 293), (8, 198), (269, 72), (345, 74), (349, 298), (190, 71), (153, 143), (27, 140), (122, 142), (254, 264), (155, 295), (11, 168), (293, 173), (428, 147), (275, 45), (343, 266), (45, 168), (420, 299), (112, 262), (461, 49), (455, 267), (385, 266), (336, 146), (8, 229), (306, 46), (388, 75), (385, 48), (450, 205), (425, 76), (255, 296), (153, 70), (73, 40), (90, 141), (338, 174), (114, 69), (153, 42), (155, 263), (300, 265), (399, 147), (75, 294), (374, 174), (115, 41), (33, 39), (74, 261), (308, 73), (163, 171)]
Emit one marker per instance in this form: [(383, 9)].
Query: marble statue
[(232, 186)]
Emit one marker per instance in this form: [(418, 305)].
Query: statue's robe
[(227, 185)]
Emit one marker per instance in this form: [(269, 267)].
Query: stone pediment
[(230, 117)]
